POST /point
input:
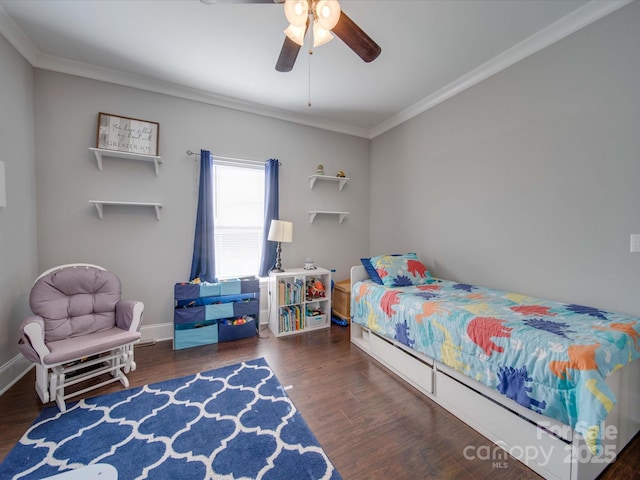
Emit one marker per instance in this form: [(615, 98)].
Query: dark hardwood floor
[(371, 424)]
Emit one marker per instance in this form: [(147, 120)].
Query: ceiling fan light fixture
[(327, 19), (297, 12), (320, 35), (296, 33), (328, 13)]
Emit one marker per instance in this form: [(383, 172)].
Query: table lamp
[(280, 231)]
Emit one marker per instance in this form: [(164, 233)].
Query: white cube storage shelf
[(300, 300)]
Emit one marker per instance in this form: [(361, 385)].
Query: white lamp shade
[(296, 11), (296, 33), (320, 35), (328, 13), (280, 231)]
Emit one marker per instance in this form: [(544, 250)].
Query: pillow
[(373, 275), (401, 270)]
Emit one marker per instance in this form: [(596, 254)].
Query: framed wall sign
[(125, 134)]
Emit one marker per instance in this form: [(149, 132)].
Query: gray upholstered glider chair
[(80, 329)]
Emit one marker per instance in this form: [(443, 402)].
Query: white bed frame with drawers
[(547, 446)]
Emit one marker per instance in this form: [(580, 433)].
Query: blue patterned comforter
[(550, 357)]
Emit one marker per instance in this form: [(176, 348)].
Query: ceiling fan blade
[(288, 55), (356, 39)]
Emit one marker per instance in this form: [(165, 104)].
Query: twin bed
[(556, 385)]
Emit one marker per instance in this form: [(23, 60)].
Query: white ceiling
[(225, 54)]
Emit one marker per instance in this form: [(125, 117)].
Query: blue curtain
[(268, 259), (203, 264)]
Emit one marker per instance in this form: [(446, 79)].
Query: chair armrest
[(129, 315), (31, 342)]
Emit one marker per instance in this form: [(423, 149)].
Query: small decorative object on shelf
[(320, 169), (340, 174), (315, 289), (308, 264)]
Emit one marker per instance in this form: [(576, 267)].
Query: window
[(238, 218)]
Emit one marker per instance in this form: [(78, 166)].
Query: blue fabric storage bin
[(189, 315), (191, 326), (234, 332), (230, 287), (186, 291), (224, 299), (193, 337), (202, 309), (209, 289), (218, 310), (250, 285), (245, 308), (216, 300)]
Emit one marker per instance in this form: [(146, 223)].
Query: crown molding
[(574, 21), (80, 69), (558, 30), (16, 37)]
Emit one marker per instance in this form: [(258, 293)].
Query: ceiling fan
[(324, 16)]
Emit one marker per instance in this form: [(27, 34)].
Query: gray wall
[(151, 255), (529, 181), (526, 182), (18, 262)]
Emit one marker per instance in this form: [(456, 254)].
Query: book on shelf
[(290, 291), (291, 318)]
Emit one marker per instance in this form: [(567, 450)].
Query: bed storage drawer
[(544, 453), (416, 372)]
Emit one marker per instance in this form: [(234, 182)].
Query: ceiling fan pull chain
[(309, 78)]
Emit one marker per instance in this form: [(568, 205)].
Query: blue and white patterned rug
[(235, 422)]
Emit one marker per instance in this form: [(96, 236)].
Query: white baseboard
[(18, 366), (156, 332), (12, 371)]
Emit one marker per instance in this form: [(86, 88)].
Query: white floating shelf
[(313, 213), (99, 204), (103, 152), (341, 180)]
